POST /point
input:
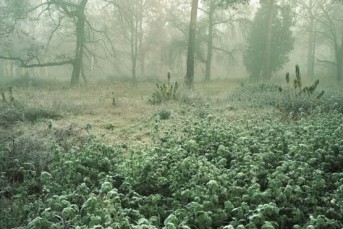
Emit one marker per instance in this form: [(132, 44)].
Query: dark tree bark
[(191, 45), (80, 43), (209, 42)]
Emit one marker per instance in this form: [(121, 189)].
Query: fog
[(145, 39)]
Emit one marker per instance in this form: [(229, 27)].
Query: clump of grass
[(164, 114), (11, 113), (109, 126), (296, 99), (7, 95), (34, 114), (12, 110), (165, 92)]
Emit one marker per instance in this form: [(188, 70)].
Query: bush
[(10, 113), (299, 100), (164, 114), (13, 111), (24, 162), (165, 92)]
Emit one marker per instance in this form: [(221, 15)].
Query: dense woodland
[(172, 114)]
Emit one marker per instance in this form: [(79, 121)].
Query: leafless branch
[(24, 62), (327, 62)]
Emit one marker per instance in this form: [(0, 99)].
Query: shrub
[(165, 92), (164, 114), (13, 110), (24, 161), (298, 100)]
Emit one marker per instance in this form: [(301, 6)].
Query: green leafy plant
[(252, 172)]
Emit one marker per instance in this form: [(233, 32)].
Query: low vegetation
[(298, 100), (226, 164), (165, 92)]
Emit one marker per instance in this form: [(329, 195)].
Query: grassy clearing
[(223, 156), (94, 105)]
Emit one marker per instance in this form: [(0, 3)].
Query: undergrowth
[(165, 92), (13, 110), (293, 101), (249, 173), (298, 100)]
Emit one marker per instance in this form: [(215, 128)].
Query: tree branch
[(23, 62), (327, 62)]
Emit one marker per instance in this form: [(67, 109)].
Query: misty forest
[(171, 114)]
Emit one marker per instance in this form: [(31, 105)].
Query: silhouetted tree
[(331, 29), (270, 40), (74, 11)]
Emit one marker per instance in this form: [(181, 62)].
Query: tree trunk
[(84, 75), (268, 48), (133, 53), (134, 23), (339, 71), (141, 46), (311, 49), (191, 45), (2, 69), (80, 43), (339, 59), (311, 41), (209, 43)]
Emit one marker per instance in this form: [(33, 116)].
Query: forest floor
[(119, 112), (228, 154)]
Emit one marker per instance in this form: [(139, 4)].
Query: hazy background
[(145, 39)]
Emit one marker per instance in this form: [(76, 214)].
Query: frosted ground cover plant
[(256, 173)]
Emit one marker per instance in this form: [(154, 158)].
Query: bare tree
[(77, 12), (130, 15), (227, 17), (308, 13), (331, 22), (74, 11)]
